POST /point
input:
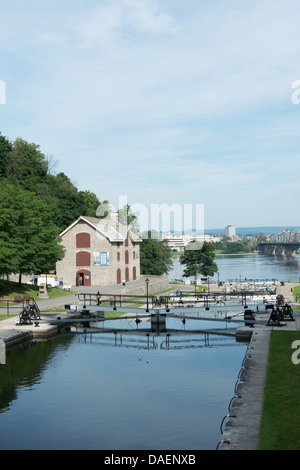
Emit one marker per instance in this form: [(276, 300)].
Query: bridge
[(279, 248), (284, 243)]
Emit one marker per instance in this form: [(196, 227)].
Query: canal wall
[(12, 338), (13, 334), (241, 426), (156, 284)]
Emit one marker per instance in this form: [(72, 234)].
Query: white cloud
[(112, 24), (145, 16), (101, 25)]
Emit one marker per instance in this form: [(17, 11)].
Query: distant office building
[(178, 243), (230, 231)]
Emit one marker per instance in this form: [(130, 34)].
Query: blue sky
[(161, 101)]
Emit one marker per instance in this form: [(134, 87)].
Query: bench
[(21, 298)]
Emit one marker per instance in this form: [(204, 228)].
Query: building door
[(127, 274), (83, 278), (119, 276)]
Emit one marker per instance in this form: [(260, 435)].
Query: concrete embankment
[(241, 430), (12, 334)]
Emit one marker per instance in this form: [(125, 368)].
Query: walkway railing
[(179, 298), (18, 302)]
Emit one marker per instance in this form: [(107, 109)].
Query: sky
[(190, 102)]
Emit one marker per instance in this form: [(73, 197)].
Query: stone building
[(98, 252)]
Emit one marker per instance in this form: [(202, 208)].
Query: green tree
[(166, 255), (5, 149), (68, 202), (261, 238), (103, 210), (10, 249), (127, 217), (27, 166), (29, 240), (229, 247), (199, 260), (91, 203), (155, 256)]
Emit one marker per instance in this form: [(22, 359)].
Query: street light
[(147, 285)]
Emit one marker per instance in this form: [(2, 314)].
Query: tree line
[(227, 247), (35, 206)]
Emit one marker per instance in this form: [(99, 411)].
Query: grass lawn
[(296, 290), (4, 317), (280, 427), (9, 289)]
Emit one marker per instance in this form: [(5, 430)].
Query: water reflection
[(25, 366), (168, 341)]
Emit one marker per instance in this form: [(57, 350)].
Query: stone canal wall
[(242, 423), (156, 284)]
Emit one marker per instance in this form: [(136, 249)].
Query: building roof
[(113, 230)]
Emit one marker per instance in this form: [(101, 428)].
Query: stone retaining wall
[(241, 431), (156, 284)]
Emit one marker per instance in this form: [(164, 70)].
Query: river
[(251, 266)]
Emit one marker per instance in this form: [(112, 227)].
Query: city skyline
[(164, 102)]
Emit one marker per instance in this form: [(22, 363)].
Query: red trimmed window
[(83, 240), (83, 258)]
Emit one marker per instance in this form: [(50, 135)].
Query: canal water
[(107, 391), (82, 391)]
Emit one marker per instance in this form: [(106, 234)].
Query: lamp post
[(147, 285)]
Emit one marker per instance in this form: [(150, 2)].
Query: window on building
[(83, 240), (83, 258), (126, 257)]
